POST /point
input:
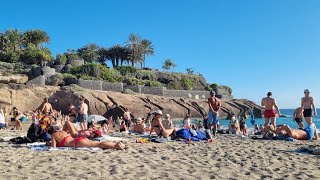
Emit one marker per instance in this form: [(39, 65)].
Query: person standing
[(213, 116), (307, 104), (47, 107), (270, 103), (83, 113), (2, 120)]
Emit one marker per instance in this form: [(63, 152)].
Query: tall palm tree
[(133, 44), (89, 53), (14, 37), (35, 37), (146, 49), (116, 54)]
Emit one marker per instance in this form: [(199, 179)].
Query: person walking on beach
[(47, 107), (307, 104), (83, 113), (270, 103), (213, 116), (298, 117)]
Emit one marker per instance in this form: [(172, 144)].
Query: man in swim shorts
[(307, 104), (270, 103), (47, 107), (83, 114), (213, 116), (309, 133), (298, 117)]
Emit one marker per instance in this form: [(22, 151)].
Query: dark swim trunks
[(307, 113), (298, 120)]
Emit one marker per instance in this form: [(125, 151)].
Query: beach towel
[(109, 138), (161, 139), (186, 134), (39, 146)]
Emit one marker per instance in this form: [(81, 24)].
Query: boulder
[(58, 68), (66, 68), (40, 80), (48, 71), (77, 62)]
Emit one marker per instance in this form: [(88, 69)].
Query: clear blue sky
[(253, 46)]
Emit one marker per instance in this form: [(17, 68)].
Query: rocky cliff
[(28, 97)]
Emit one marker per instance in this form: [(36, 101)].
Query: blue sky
[(253, 46)]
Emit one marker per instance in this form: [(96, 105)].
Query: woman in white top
[(187, 122), (2, 119)]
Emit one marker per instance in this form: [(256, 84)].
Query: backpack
[(34, 132)]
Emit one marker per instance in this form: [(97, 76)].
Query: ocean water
[(283, 120)]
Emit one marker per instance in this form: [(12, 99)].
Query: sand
[(231, 157)]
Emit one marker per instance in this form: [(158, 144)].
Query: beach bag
[(34, 132)]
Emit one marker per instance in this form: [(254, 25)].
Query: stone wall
[(187, 94), (159, 91)]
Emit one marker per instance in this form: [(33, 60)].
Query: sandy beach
[(230, 157)]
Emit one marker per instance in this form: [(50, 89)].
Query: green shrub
[(153, 83), (215, 85), (61, 59), (86, 77), (6, 65), (146, 75), (133, 81), (67, 75), (187, 84), (208, 88), (128, 91), (93, 70), (127, 70)]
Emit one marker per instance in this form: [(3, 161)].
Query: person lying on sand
[(309, 133), (63, 139), (156, 125), (75, 132)]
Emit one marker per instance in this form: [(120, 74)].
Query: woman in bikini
[(156, 125), (63, 139)]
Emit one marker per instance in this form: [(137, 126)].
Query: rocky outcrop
[(13, 78), (112, 103)]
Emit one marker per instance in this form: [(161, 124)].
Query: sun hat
[(168, 116), (158, 112), (306, 91)]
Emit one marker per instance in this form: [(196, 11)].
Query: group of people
[(307, 110)]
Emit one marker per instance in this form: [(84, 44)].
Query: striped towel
[(40, 146)]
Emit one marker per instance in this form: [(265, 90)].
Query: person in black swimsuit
[(123, 127), (156, 125)]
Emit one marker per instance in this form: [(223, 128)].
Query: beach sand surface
[(230, 157)]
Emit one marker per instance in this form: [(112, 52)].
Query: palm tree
[(134, 44), (35, 37), (168, 64), (10, 45), (146, 49), (116, 53), (89, 53)]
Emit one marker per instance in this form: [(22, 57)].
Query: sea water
[(279, 120)]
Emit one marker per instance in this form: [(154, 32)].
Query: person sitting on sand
[(200, 126), (123, 127), (75, 132), (187, 122), (309, 133), (72, 112), (139, 127), (63, 139), (156, 125), (18, 118), (167, 123), (243, 126), (261, 128), (298, 117)]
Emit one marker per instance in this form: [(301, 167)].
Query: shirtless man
[(309, 133), (298, 117), (270, 103), (47, 108), (83, 113), (306, 104), (213, 116)]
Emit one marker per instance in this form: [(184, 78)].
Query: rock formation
[(30, 97)]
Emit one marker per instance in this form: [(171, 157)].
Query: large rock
[(58, 68), (13, 78), (38, 71), (77, 62), (66, 68), (40, 80), (48, 71), (113, 103)]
